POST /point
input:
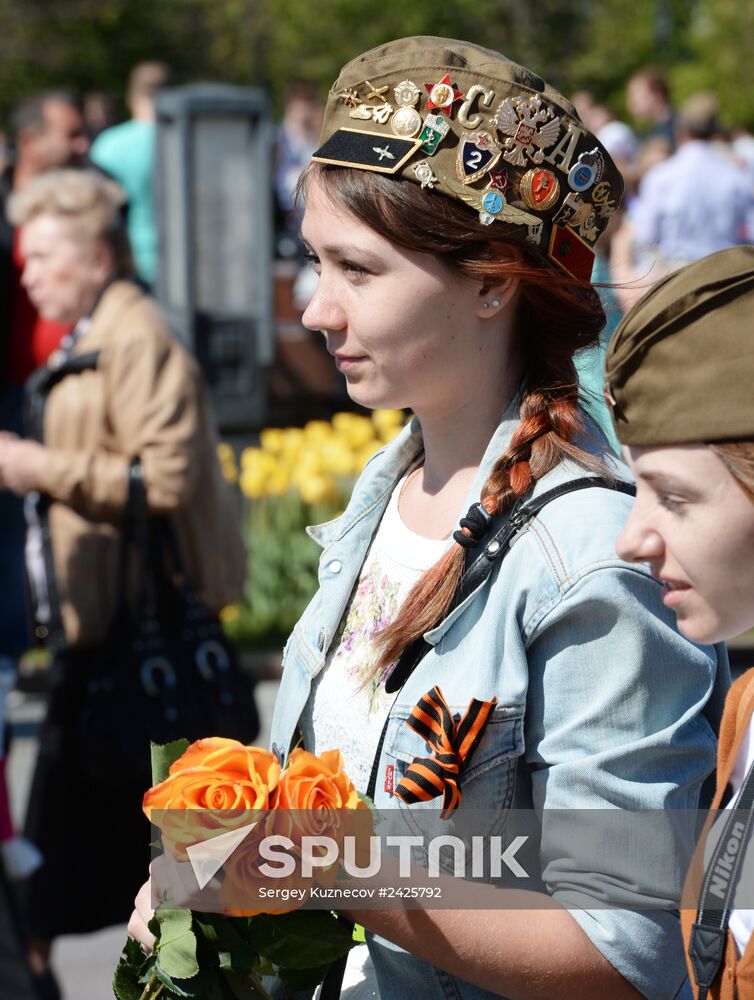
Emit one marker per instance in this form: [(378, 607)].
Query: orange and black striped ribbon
[(453, 744)]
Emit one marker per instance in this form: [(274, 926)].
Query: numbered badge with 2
[(477, 154)]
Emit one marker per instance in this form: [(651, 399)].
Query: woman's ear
[(102, 259), (493, 299)]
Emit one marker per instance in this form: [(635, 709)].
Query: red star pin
[(442, 96)]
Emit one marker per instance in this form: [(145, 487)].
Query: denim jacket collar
[(387, 466)]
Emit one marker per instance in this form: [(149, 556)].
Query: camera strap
[(721, 878)]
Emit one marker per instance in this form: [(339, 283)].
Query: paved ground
[(83, 963)]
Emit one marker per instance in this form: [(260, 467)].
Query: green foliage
[(176, 953), (163, 755), (283, 563), (719, 39), (126, 984), (206, 956), (92, 44), (301, 940)]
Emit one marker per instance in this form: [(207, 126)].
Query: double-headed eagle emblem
[(530, 127)]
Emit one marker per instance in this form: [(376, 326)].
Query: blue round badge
[(581, 176), (493, 202)]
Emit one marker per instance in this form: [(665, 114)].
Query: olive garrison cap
[(680, 366), (469, 123)]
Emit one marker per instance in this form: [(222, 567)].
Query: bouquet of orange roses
[(215, 803)]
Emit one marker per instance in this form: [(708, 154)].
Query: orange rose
[(310, 782), (217, 774), (209, 789), (319, 799), (241, 886)]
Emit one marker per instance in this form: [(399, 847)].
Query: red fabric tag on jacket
[(389, 772)]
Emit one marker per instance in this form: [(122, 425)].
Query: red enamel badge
[(571, 253), (442, 96), (539, 189)]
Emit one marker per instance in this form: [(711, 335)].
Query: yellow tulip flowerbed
[(297, 476)]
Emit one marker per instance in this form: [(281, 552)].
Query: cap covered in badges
[(680, 366), (472, 125)]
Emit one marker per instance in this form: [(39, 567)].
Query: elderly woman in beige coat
[(143, 399)]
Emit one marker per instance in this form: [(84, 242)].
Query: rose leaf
[(301, 940), (163, 755), (126, 982), (239, 960), (176, 947), (222, 932)]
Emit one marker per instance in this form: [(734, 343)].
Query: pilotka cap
[(680, 366), (470, 124)]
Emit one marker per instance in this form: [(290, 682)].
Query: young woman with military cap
[(451, 213), (680, 372)]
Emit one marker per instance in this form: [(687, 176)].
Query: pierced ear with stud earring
[(495, 304)]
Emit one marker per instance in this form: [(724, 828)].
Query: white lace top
[(348, 704)]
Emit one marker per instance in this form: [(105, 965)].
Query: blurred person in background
[(628, 265), (690, 205), (648, 103), (143, 399), (696, 202), (742, 144), (616, 136), (126, 152), (99, 112), (296, 139), (48, 132)]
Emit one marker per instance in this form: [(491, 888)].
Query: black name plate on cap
[(349, 147)]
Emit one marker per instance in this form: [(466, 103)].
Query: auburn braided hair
[(557, 316)]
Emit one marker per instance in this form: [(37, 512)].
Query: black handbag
[(165, 669)]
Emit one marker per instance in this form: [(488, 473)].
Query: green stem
[(151, 983)]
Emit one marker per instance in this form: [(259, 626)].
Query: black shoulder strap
[(37, 390), (708, 936), (490, 551), (41, 382)]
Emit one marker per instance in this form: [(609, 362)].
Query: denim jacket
[(601, 703)]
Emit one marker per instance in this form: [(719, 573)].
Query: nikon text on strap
[(721, 877)]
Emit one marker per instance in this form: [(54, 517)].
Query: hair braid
[(549, 422)]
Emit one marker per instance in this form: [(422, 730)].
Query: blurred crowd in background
[(689, 192)]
